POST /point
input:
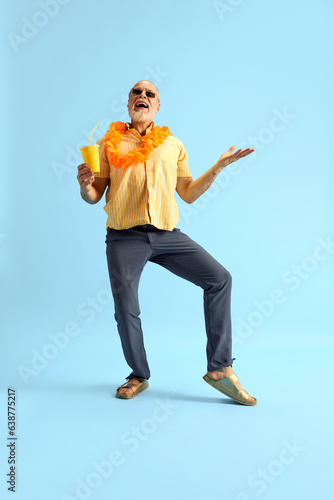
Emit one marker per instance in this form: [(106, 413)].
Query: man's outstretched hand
[(229, 156)]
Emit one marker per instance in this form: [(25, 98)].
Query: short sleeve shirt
[(144, 193)]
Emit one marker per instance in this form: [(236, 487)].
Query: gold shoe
[(135, 389), (227, 386)]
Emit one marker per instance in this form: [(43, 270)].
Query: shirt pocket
[(117, 178), (168, 155)]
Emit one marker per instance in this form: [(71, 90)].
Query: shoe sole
[(224, 390)]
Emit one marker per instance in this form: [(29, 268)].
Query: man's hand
[(85, 178), (229, 156)]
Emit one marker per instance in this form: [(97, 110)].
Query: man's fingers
[(84, 166), (84, 174), (247, 152), (86, 178), (241, 153)]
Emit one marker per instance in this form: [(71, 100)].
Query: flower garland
[(150, 141)]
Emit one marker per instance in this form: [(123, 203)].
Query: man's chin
[(141, 116)]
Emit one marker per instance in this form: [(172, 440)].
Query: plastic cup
[(91, 156)]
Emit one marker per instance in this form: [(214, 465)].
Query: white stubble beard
[(141, 116)]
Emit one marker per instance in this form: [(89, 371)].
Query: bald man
[(142, 165)]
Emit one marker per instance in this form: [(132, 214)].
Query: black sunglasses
[(139, 92)]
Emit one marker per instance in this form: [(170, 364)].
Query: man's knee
[(224, 277), (227, 278)]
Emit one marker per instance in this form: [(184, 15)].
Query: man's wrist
[(86, 195), (218, 167)]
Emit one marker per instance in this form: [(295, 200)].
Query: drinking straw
[(90, 137)]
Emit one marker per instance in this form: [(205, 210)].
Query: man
[(141, 167)]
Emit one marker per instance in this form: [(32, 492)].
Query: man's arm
[(190, 190), (91, 188)]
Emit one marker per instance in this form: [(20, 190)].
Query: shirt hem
[(140, 224)]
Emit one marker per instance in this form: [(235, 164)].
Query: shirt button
[(148, 169)]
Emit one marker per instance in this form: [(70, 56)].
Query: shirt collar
[(149, 129)]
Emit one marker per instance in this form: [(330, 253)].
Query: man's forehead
[(145, 85)]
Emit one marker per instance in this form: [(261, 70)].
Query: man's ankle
[(222, 369), (225, 371)]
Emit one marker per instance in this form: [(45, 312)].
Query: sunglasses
[(139, 92)]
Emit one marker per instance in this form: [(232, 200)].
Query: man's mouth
[(141, 105)]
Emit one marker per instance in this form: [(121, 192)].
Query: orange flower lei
[(150, 141)]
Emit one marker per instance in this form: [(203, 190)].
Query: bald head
[(146, 85)]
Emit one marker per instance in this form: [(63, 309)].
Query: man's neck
[(141, 127)]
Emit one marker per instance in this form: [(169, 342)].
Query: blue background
[(253, 74)]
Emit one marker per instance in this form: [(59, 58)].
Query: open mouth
[(141, 105)]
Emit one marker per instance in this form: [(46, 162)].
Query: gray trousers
[(128, 250)]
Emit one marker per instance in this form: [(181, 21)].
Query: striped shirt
[(144, 193)]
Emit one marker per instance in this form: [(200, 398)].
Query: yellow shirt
[(144, 193)]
